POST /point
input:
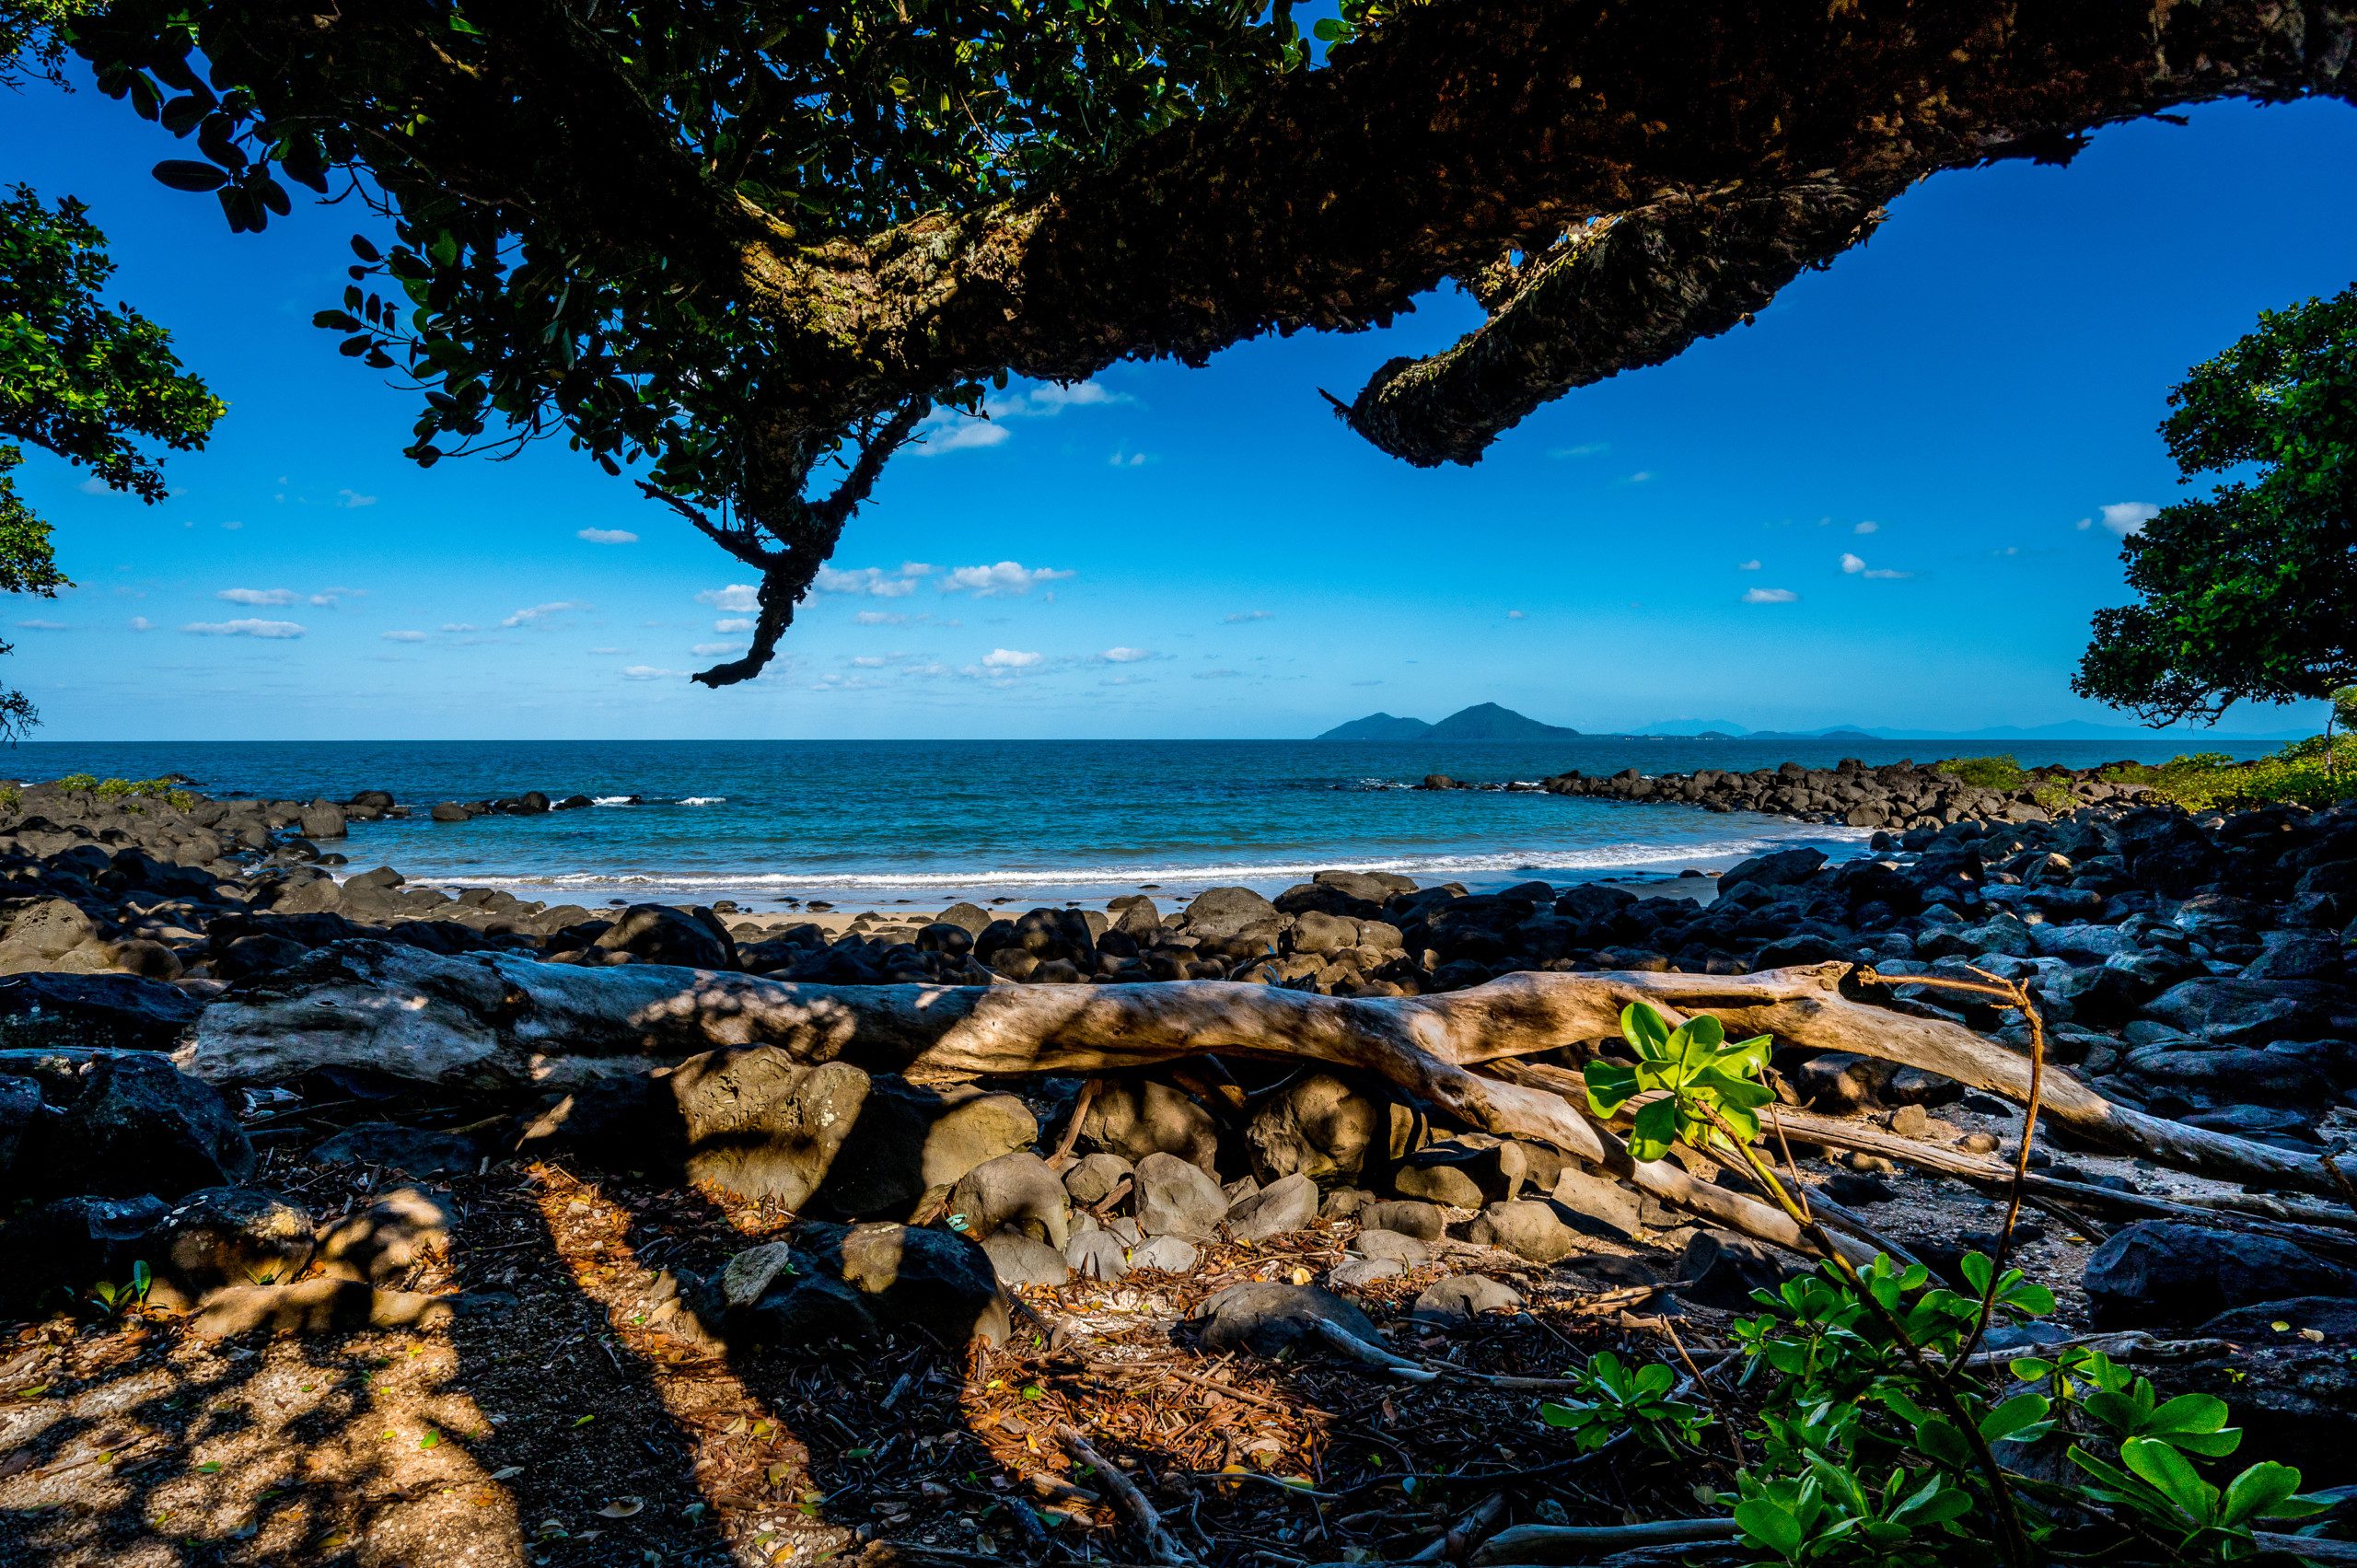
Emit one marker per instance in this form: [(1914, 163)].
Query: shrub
[(2315, 772), (1984, 773)]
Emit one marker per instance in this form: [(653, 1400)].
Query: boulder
[(933, 1279), (322, 820), (1271, 1318), (1227, 914), (1461, 1298), (912, 1139), (44, 932), (1171, 1254), (1137, 1117), (121, 1122), (762, 1125), (1021, 1260), (126, 1012), (1723, 1269), (661, 934), (393, 1235), (1320, 1125), (2253, 1012), (227, 1235), (1777, 869), (1175, 1197), (1017, 1194), (1285, 1205), (1422, 1221), (70, 1243), (412, 1151), (1096, 1254), (2162, 1274), (1527, 1229), (1095, 1177)]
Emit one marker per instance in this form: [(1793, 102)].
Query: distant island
[(1488, 721), (1483, 721)]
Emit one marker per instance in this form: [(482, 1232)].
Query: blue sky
[(1884, 504)]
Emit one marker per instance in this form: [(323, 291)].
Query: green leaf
[(1610, 1086), (2262, 1492), (2174, 1475), (1656, 1128), (185, 174), (2021, 1410), (1646, 1031), (2186, 1414), (1767, 1524)]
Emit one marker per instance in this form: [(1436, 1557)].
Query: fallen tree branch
[(1160, 1544), (1577, 1543)]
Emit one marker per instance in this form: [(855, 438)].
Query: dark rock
[(1724, 1269), (1175, 1197), (412, 1151), (1271, 1318), (1021, 1260), (1528, 1229), (70, 1243), (1318, 1125), (1422, 1221), (2253, 1012), (661, 934), (912, 1139), (1288, 1205), (1778, 868), (119, 1010), (1462, 1299), (934, 1281), (1137, 1117), (2161, 1273), (2334, 1317), (126, 1122), (1014, 1192), (227, 1235), (1852, 1188), (1232, 914)]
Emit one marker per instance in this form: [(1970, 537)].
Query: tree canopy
[(94, 385), (2248, 592), (743, 251)]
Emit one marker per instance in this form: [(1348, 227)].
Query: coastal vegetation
[(2247, 591), (2315, 772)]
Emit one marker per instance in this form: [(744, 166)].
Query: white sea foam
[(614, 800), (704, 800)]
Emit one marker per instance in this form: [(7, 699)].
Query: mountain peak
[(1483, 721)]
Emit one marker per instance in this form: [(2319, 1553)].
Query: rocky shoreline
[(1902, 796), (2196, 969)]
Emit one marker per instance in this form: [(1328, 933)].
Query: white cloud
[(1006, 577), (1886, 574), (1124, 655), (1769, 596), (456, 626), (602, 651), (1750, 565), (1243, 615), (732, 623), (44, 626), (1047, 400), (1851, 563), (649, 672), (705, 650), (864, 618), (402, 636), (607, 535), (740, 597), (1867, 528), (1123, 458), (967, 433), (140, 623), (873, 581), (1643, 476), (1009, 659), (2125, 517), (1586, 449), (233, 526), (259, 596), (541, 612), (351, 499), (246, 628), (94, 486), (1515, 615)]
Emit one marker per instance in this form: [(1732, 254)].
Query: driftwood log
[(496, 1020)]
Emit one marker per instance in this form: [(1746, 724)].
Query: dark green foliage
[(92, 384), (597, 317), (2246, 593)]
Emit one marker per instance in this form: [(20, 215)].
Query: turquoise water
[(924, 822)]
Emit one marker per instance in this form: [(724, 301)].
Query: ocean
[(925, 822)]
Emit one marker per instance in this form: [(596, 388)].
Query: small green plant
[(1877, 1440), (12, 800), (2053, 795), (2314, 771), (1614, 1397), (129, 1297), (79, 783)]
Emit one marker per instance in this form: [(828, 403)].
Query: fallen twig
[(1161, 1546)]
